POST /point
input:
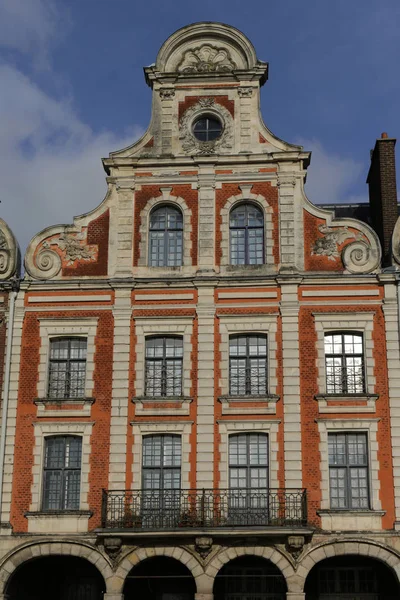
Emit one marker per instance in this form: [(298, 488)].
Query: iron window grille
[(161, 478), (247, 365), (62, 473), (166, 237), (207, 129), (248, 476), (344, 363), (246, 235), (164, 363), (348, 470), (67, 368)]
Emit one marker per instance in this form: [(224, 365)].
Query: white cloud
[(30, 26), (50, 168), (331, 178)]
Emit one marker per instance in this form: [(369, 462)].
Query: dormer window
[(207, 129)]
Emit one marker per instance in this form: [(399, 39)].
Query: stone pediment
[(206, 59)]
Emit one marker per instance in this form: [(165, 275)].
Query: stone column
[(390, 310), (204, 597), (295, 596), (206, 233), (291, 384), (110, 597), (120, 387), (205, 390)]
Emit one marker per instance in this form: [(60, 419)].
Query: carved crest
[(4, 254), (332, 238), (206, 59)]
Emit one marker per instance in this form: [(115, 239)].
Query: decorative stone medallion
[(206, 59), (206, 106)]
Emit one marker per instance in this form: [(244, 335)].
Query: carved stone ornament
[(203, 546), (113, 547), (295, 545), (72, 248), (332, 238), (167, 93), (206, 59), (245, 92), (4, 254), (357, 257), (190, 143)]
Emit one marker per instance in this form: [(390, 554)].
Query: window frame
[(166, 241), (248, 466), (248, 358), (63, 470), (161, 468), (246, 228), (345, 379), (164, 360), (67, 387), (348, 467)]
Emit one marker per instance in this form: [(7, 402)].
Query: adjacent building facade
[(203, 393)]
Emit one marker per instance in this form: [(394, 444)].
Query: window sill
[(346, 403), (256, 405), (68, 521), (64, 407), (162, 405), (351, 519)]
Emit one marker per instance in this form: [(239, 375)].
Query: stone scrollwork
[(167, 93), (4, 254), (206, 59), (245, 92), (332, 238), (190, 143), (47, 261), (359, 257)]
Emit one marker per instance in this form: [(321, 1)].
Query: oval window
[(207, 129)]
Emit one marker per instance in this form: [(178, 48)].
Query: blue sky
[(72, 90)]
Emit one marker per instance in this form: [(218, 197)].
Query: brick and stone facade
[(93, 280)]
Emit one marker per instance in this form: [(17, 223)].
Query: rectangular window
[(248, 365), (348, 470), (161, 476), (67, 368), (344, 363), (164, 357), (62, 473)]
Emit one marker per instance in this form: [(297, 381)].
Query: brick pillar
[(383, 193)]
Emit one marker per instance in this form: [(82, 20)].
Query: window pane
[(248, 462), (161, 465), (62, 473), (248, 374), (67, 368), (349, 486), (344, 363), (246, 235), (166, 237), (164, 364)]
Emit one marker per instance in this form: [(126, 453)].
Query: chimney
[(382, 193)]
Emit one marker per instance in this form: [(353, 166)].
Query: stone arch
[(261, 202), (368, 548), (269, 553), (33, 550), (132, 559), (179, 203)]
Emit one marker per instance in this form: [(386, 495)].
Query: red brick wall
[(97, 234), (192, 100), (26, 414)]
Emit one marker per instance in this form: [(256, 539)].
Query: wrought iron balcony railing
[(206, 508)]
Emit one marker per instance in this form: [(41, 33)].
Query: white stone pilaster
[(246, 119), (291, 385), (286, 183), (124, 225), (122, 313), (205, 389), (12, 407), (390, 310), (206, 204)]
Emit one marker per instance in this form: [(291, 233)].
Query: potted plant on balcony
[(189, 518)]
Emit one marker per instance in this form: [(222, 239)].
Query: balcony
[(166, 510)]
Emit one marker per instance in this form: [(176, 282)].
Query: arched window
[(166, 237), (344, 363), (247, 365), (246, 226)]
